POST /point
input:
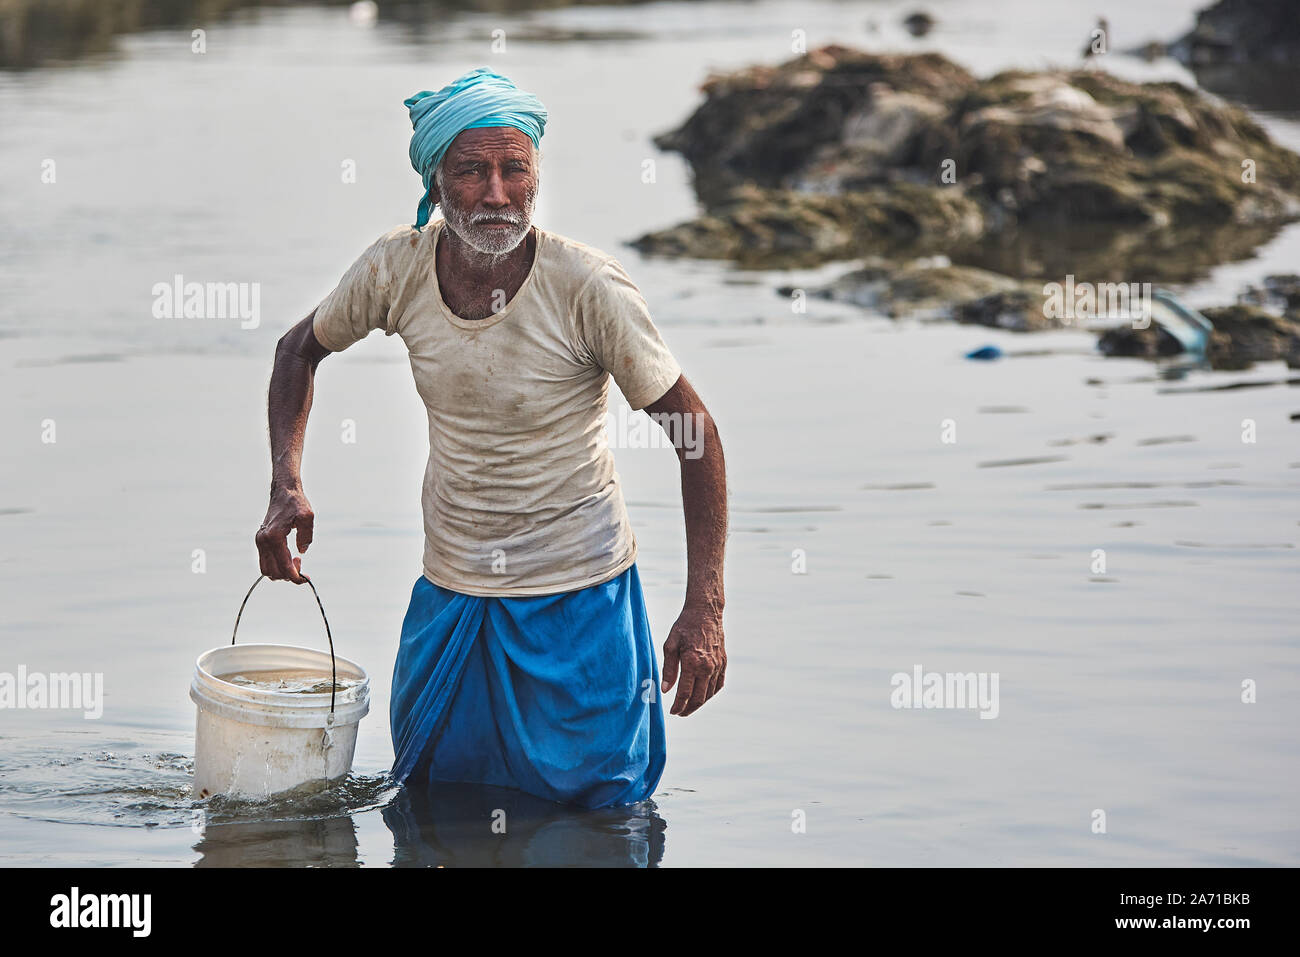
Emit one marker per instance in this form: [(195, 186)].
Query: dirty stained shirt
[(520, 494)]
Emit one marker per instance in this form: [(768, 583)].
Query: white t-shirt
[(520, 493)]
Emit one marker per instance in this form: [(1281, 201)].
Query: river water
[(862, 544)]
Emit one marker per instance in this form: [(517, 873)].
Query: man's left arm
[(695, 649)]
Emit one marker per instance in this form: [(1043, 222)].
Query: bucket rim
[(299, 701)]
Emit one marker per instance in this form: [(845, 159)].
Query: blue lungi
[(555, 695)]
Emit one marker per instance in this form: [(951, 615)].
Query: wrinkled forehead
[(490, 142)]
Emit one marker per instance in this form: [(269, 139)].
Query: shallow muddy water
[(863, 545), (290, 681)]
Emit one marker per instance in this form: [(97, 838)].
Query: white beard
[(488, 240)]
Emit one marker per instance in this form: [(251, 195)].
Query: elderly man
[(526, 658)]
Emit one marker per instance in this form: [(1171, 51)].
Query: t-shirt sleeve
[(621, 337), (359, 303)]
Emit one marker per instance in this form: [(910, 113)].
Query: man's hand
[(695, 645), (289, 509)]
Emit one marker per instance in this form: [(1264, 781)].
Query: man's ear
[(435, 195)]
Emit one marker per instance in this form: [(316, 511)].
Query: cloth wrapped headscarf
[(481, 97)]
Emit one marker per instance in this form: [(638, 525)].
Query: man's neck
[(472, 267)]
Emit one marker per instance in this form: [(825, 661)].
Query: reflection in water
[(304, 828), (452, 825), (33, 32), (112, 781), (328, 842), (1271, 87), (1178, 254)]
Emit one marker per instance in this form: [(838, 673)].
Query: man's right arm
[(288, 402)]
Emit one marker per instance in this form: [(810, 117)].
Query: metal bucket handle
[(334, 676)]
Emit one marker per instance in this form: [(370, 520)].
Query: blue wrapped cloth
[(554, 695), (444, 825)]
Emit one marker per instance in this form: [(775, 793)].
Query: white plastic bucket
[(256, 743)]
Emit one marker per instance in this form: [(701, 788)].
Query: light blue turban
[(480, 98)]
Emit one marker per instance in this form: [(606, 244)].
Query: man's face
[(487, 184)]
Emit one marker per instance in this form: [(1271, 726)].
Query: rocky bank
[(1010, 181)]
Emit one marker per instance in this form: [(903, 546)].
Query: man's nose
[(496, 190)]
